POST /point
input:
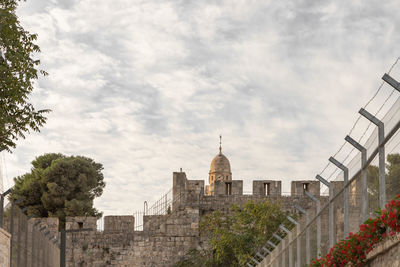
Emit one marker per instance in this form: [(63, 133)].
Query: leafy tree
[(233, 238), (60, 186), (18, 70), (392, 180), (393, 175)]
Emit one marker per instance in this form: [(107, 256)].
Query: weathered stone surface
[(165, 238), (385, 254), (4, 248)]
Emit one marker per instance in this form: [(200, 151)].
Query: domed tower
[(220, 169)]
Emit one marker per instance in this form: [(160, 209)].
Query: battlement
[(174, 228), (124, 223), (261, 188)]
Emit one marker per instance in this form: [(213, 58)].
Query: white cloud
[(146, 87)]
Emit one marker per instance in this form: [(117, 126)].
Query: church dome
[(220, 168), (220, 164)]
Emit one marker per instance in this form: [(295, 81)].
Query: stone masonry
[(165, 239)]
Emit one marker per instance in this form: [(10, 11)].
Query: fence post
[(40, 244), (256, 261), (297, 239), (268, 254), (364, 193), (46, 249), (289, 233), (331, 214), (346, 195), (282, 241), (381, 150), (166, 203), (12, 230), (2, 206), (26, 240), (63, 248), (318, 204), (33, 242), (20, 214), (303, 211), (275, 251), (392, 82)]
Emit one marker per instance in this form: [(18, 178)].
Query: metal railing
[(362, 182), (163, 206)]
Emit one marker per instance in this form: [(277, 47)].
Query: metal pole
[(275, 251), (346, 195), (166, 208), (289, 233), (381, 151), (268, 254), (256, 261), (331, 213), (33, 242), (19, 238), (1, 210), (62, 248), (40, 244), (318, 204), (282, 241), (19, 235), (12, 232), (26, 241), (298, 258), (364, 193), (395, 84), (46, 249), (2, 206), (303, 211)]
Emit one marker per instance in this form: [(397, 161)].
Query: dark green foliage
[(60, 186), (234, 237), (18, 70), (393, 175), (392, 179)]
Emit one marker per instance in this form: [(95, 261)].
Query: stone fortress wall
[(166, 238)]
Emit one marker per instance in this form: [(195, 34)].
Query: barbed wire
[(357, 121), (398, 143)]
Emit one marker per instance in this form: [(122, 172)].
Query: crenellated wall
[(166, 238)]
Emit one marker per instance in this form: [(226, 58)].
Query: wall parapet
[(387, 253)]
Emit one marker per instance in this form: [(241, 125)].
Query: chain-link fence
[(359, 179), (32, 242)]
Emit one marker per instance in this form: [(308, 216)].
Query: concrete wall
[(4, 248)]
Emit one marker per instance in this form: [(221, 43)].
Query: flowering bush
[(354, 249)]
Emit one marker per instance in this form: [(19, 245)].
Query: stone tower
[(220, 170)]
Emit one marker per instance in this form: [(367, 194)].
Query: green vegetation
[(18, 70), (234, 237), (392, 180), (60, 186)]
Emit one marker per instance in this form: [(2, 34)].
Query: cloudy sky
[(146, 87)]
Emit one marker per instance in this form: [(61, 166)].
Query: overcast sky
[(146, 87)]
